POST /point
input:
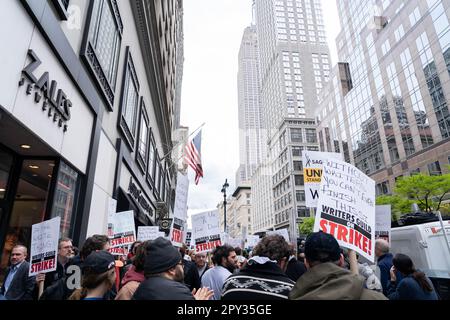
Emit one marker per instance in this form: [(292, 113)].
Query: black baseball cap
[(99, 262), (323, 247)]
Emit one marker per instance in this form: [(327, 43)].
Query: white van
[(425, 245)]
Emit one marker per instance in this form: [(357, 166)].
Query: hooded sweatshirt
[(328, 281), (130, 282)]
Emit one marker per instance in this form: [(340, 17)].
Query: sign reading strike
[(383, 222), (44, 246), (346, 207), (124, 230), (148, 233), (312, 173), (206, 231), (177, 232)]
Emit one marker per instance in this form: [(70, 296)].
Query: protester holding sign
[(326, 279), (18, 284)]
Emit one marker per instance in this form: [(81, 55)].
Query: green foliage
[(427, 191), (307, 226), (399, 205)]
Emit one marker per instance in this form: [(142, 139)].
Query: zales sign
[(59, 107)]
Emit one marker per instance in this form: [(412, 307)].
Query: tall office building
[(251, 133), (387, 105), (295, 65)]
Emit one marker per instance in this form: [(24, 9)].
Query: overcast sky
[(212, 35)]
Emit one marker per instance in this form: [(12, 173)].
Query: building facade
[(262, 203), (295, 65), (386, 108), (252, 139), (288, 191), (87, 101)]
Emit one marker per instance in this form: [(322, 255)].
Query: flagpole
[(201, 126)]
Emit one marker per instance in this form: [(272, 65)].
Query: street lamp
[(224, 191)]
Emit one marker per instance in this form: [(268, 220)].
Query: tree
[(399, 205), (427, 191), (307, 226)]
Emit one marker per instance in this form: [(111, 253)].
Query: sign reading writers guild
[(138, 196), (55, 101)]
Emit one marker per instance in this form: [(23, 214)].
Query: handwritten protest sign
[(251, 241), (312, 173), (346, 207), (124, 229), (206, 231), (281, 232), (383, 222), (148, 233), (44, 246)]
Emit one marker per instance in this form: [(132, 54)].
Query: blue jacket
[(385, 264), (409, 289)]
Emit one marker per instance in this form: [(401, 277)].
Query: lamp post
[(224, 191)]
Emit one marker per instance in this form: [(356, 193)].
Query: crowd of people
[(274, 269)]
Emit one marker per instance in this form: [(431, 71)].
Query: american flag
[(192, 156)]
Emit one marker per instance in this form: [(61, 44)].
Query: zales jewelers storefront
[(46, 128)]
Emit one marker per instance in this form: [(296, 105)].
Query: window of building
[(142, 147), (298, 166), (300, 195), (151, 171), (130, 102), (297, 151), (434, 169), (61, 7), (302, 212), (311, 135), (101, 47), (299, 180), (296, 135)]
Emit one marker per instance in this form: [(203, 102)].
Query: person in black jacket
[(164, 275), (18, 285), (263, 277), (295, 269)]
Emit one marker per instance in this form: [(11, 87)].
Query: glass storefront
[(33, 190)]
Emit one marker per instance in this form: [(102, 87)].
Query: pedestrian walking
[(414, 285), (263, 278), (163, 270), (325, 278)]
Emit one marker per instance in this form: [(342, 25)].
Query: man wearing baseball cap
[(98, 276), (164, 274), (325, 278)]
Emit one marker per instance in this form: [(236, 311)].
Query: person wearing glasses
[(65, 253)]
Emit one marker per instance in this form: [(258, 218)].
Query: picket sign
[(346, 207), (206, 231)]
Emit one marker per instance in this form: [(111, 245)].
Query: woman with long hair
[(414, 286), (98, 276)]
